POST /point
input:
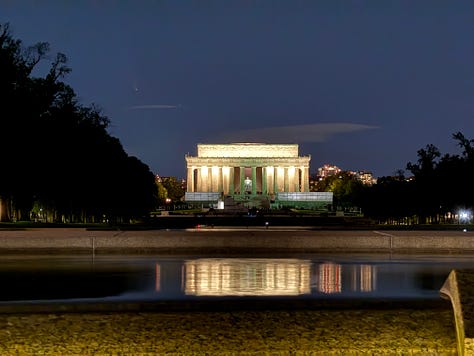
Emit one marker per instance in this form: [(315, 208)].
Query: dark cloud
[(294, 133)]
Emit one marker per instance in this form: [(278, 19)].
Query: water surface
[(148, 278)]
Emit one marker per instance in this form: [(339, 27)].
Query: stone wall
[(225, 240)]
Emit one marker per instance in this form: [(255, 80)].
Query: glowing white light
[(464, 215)]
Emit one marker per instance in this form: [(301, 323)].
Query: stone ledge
[(246, 304), (236, 241)]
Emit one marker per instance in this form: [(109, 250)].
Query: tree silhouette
[(441, 186), (56, 153)]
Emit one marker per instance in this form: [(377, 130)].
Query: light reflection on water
[(247, 277), (274, 277), (175, 278)]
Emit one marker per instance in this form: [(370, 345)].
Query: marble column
[(305, 178), (254, 180), (291, 179), (190, 180), (212, 180), (231, 180), (209, 179), (215, 180), (220, 180), (242, 180), (270, 180), (264, 180), (286, 180), (296, 180), (199, 180), (275, 180)]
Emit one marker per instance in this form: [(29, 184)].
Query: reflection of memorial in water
[(263, 277), (332, 278), (247, 277), (329, 278), (157, 277), (364, 278)]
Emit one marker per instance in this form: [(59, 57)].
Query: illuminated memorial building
[(259, 175)]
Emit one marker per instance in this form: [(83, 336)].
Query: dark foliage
[(441, 186), (347, 189), (57, 156), (172, 189)]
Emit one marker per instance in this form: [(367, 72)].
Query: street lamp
[(464, 216)]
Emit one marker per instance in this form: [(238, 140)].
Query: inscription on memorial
[(248, 150)]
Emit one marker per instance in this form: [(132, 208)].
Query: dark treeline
[(439, 187), (58, 162)]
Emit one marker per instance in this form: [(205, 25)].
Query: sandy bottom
[(276, 332)]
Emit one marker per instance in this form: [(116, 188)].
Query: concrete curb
[(234, 240)]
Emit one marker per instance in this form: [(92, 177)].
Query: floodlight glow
[(464, 215)]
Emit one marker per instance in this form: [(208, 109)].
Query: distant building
[(365, 177), (327, 170)]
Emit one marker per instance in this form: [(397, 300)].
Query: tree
[(391, 199), (170, 188), (56, 153), (466, 145), (345, 187), (426, 182), (162, 193)]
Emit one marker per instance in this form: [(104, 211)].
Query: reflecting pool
[(148, 278)]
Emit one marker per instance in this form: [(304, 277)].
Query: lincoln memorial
[(248, 171)]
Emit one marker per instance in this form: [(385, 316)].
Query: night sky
[(359, 84)]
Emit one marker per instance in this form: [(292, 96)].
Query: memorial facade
[(247, 169)]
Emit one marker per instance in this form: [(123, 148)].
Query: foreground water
[(148, 278)]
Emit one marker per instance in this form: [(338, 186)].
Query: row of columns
[(273, 179)]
